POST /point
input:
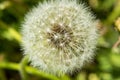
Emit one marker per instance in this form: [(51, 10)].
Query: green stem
[(115, 13), (11, 31), (29, 70), (22, 68)]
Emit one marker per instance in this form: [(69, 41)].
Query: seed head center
[(60, 36)]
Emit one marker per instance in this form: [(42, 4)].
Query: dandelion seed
[(48, 30)]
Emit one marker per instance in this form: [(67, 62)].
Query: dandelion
[(59, 36)]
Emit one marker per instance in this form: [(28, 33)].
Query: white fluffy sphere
[(59, 36)]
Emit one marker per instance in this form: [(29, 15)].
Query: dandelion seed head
[(59, 36)]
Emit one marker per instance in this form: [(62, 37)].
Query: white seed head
[(64, 36)]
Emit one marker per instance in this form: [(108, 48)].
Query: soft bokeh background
[(105, 66)]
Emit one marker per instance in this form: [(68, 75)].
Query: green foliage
[(106, 65)]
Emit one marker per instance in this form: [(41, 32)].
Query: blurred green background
[(105, 66)]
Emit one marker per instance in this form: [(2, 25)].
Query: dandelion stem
[(22, 68), (29, 70)]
